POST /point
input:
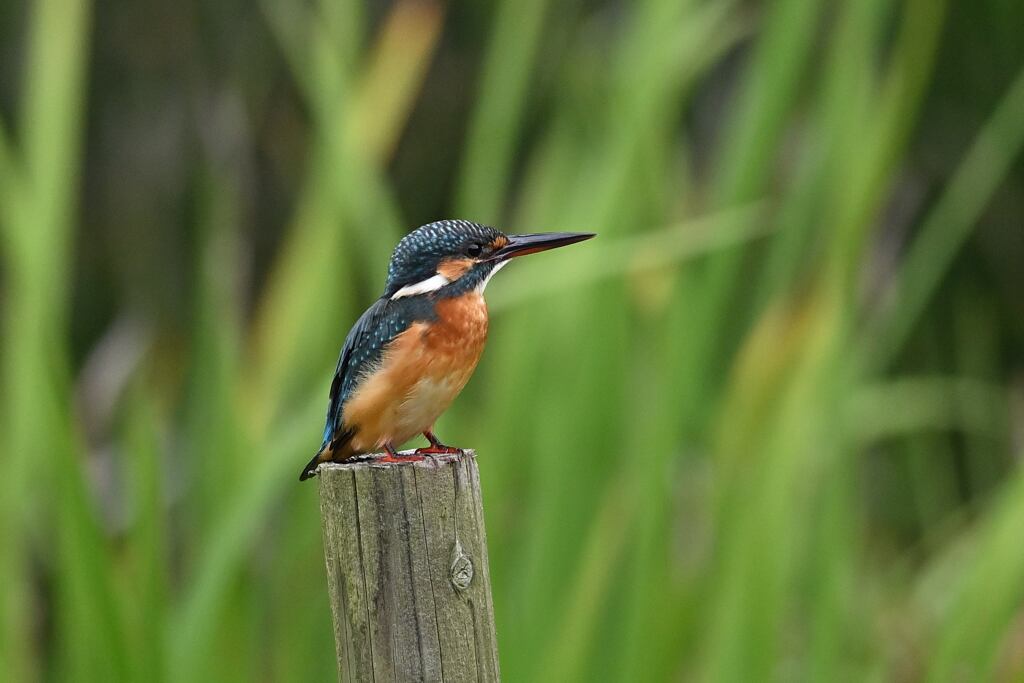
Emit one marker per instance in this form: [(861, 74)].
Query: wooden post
[(407, 570)]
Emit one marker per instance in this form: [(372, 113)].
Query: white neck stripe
[(431, 284)]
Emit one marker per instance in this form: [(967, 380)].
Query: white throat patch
[(483, 285), (431, 284)]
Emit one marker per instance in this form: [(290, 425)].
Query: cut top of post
[(374, 460)]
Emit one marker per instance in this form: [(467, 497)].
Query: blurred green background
[(768, 426)]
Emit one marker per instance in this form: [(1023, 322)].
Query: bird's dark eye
[(474, 250)]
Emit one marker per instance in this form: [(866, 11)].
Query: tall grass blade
[(502, 100), (950, 222), (986, 597)]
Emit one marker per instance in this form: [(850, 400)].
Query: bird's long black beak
[(521, 245)]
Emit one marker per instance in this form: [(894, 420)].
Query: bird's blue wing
[(365, 343)]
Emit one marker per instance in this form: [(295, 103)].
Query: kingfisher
[(413, 350)]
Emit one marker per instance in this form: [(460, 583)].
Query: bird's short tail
[(336, 450), (323, 455)]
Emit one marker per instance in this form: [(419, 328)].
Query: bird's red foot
[(438, 450), (436, 447), (399, 458), (393, 456)]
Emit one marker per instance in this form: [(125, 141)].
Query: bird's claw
[(439, 450), (388, 458)]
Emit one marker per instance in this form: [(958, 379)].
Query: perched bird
[(411, 353)]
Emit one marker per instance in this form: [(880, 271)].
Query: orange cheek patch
[(499, 242), (454, 268)]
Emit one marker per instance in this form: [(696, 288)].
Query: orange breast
[(420, 374)]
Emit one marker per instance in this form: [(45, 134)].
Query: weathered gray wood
[(407, 570)]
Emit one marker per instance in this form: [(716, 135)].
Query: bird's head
[(454, 256)]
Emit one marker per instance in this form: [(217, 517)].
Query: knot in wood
[(462, 568)]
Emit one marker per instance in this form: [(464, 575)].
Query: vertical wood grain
[(407, 570)]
